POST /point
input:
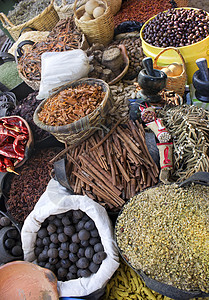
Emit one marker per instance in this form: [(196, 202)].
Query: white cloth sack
[(58, 68), (55, 200)]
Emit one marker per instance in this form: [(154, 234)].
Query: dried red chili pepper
[(19, 144), (7, 132), (15, 124), (2, 165), (9, 165), (8, 151)]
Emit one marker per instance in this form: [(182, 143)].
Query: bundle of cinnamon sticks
[(113, 168)]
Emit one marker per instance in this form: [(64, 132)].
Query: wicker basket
[(45, 21), (65, 10), (100, 30), (175, 83), (182, 3), (73, 134)]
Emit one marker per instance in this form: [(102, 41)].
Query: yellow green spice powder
[(164, 231)]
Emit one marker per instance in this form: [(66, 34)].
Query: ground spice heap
[(27, 187), (164, 232), (71, 104), (140, 11)]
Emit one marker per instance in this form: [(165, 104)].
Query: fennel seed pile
[(164, 231)]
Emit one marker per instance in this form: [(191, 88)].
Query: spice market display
[(104, 175)]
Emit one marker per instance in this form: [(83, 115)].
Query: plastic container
[(190, 53)]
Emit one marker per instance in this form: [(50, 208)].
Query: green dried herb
[(9, 75), (164, 232)]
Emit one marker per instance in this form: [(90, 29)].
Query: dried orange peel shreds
[(71, 104)]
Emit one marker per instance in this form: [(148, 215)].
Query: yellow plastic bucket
[(190, 53)]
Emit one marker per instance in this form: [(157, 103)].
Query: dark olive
[(84, 243), (84, 235), (81, 252), (46, 241), (17, 251), (75, 238), (82, 263), (62, 237), (89, 252), (93, 267), (99, 257), (85, 273), (63, 254), (98, 247), (71, 276), (65, 246), (42, 233), (73, 269), (13, 233), (74, 247), (89, 225), (5, 221), (62, 272), (78, 214), (94, 241), (37, 251), (53, 261), (73, 257), (52, 245), (53, 253), (66, 221), (94, 233), (51, 228), (69, 230), (57, 222), (80, 225), (9, 243), (54, 238), (65, 263)]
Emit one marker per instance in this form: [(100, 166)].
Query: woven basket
[(175, 83), (100, 30), (75, 133), (65, 10), (182, 3), (45, 21)]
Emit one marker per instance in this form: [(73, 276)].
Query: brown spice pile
[(71, 104)]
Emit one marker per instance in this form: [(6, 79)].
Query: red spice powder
[(140, 10)]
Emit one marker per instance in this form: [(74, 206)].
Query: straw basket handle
[(167, 49), (75, 3), (5, 21)]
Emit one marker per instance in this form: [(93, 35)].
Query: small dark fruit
[(13, 234), (78, 214), (83, 235), (73, 269), (98, 247), (60, 229), (51, 228), (94, 241), (42, 233), (99, 257), (41, 257), (81, 252), (79, 273), (52, 245), (75, 238), (84, 243), (89, 252), (94, 233), (80, 225), (46, 241), (65, 246), (57, 222), (51, 218), (54, 238), (62, 272), (89, 225), (66, 221), (60, 216), (62, 237), (82, 263), (9, 243), (73, 257), (53, 253), (86, 217), (41, 264), (85, 273), (69, 230), (93, 267), (37, 251), (71, 276), (63, 254), (39, 243), (53, 261), (65, 263), (17, 251), (4, 221), (74, 247)]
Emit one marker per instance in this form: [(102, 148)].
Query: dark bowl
[(150, 84)]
